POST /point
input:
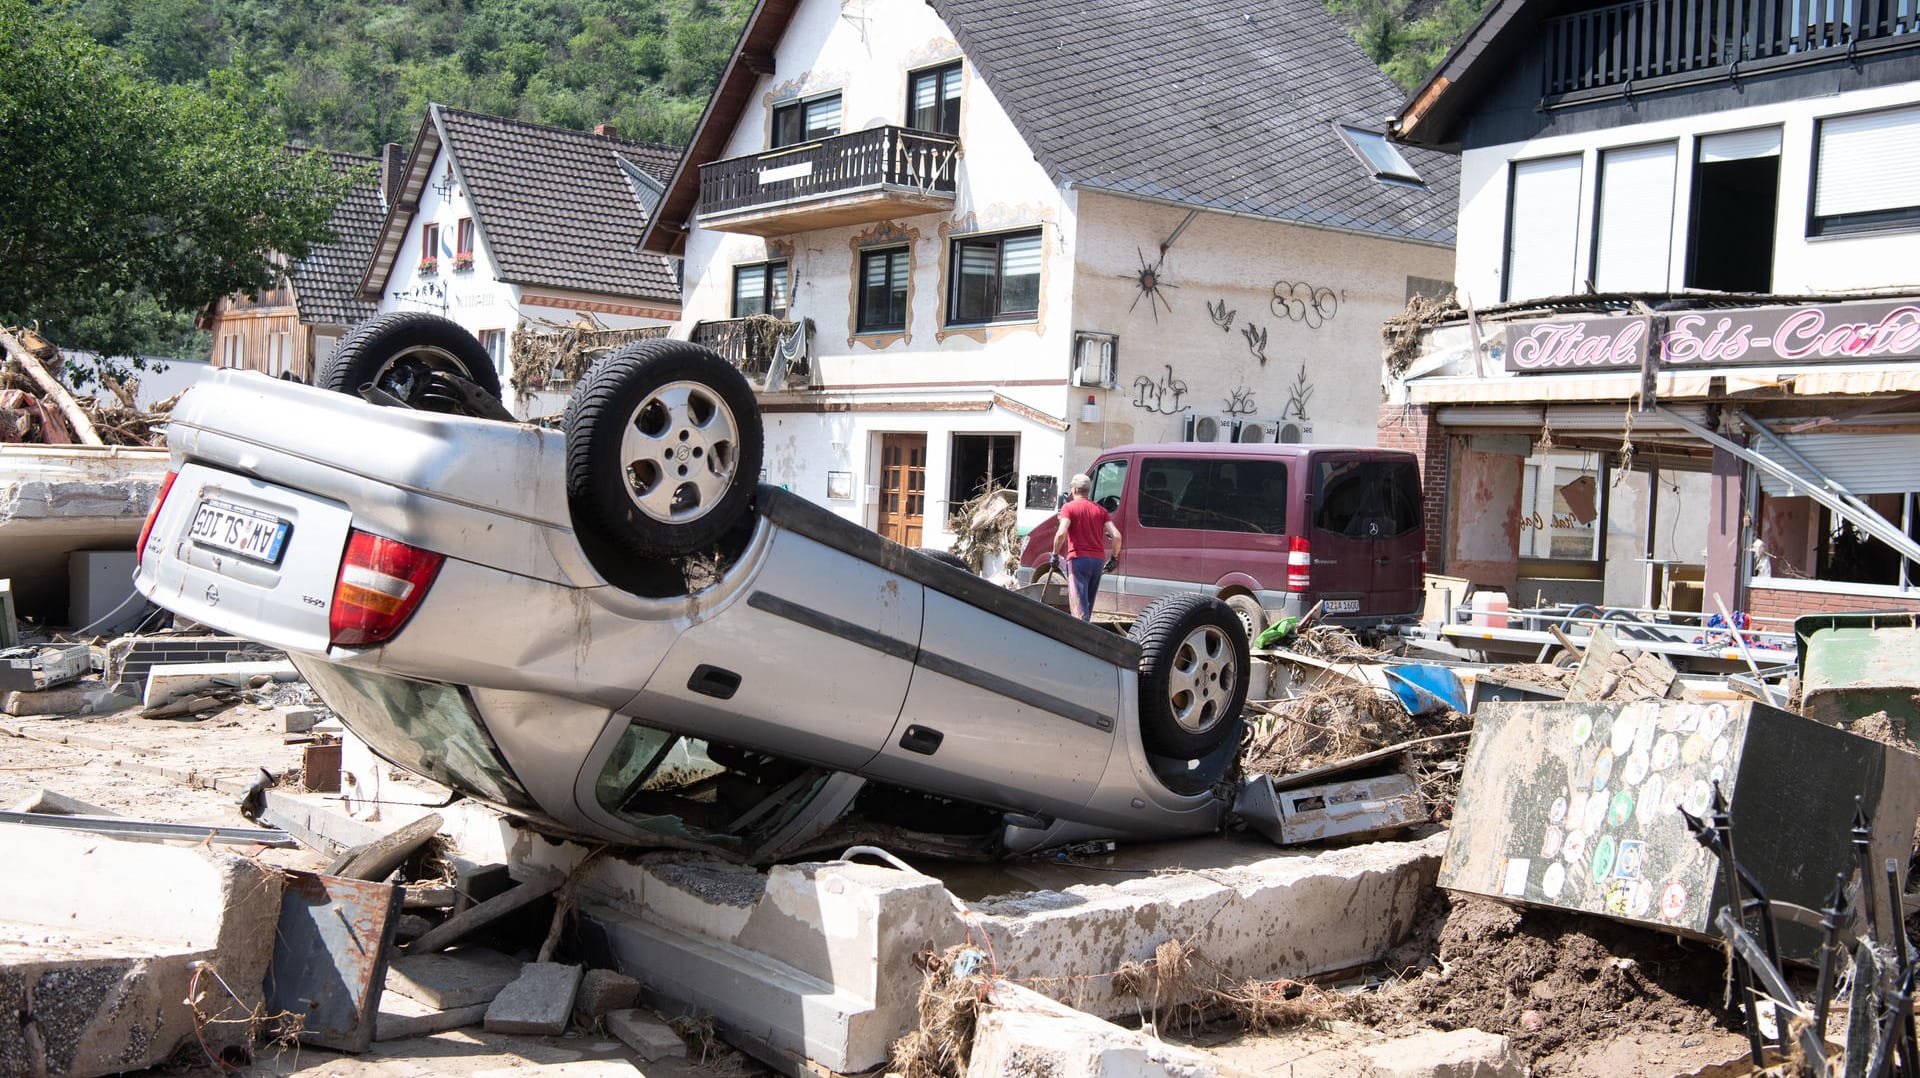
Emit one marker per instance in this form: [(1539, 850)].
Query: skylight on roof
[(1382, 157)]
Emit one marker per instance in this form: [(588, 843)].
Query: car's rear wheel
[(389, 350), (663, 447), (1247, 609), (1194, 671)]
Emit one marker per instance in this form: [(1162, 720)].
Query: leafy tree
[(131, 204)]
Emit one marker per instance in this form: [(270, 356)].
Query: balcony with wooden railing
[(851, 179), (773, 353), (1647, 45)]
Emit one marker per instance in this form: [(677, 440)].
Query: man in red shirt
[(1082, 534)]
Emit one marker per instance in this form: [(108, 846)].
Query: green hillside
[(353, 74)]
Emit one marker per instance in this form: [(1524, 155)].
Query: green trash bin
[(1852, 665)]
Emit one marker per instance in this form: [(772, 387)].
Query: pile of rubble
[(35, 407)]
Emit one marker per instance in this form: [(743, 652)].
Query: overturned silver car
[(615, 632)]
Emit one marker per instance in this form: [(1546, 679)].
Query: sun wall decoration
[(1147, 279)]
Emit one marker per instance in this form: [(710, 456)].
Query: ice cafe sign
[(1754, 336)]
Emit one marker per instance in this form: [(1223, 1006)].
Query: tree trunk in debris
[(77, 419)]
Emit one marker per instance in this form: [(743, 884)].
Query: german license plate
[(242, 531), (1343, 606)]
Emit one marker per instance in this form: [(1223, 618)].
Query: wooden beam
[(77, 419)]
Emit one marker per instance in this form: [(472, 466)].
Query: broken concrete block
[(402, 1017), (169, 681), (84, 698), (1461, 1053), (54, 803), (603, 990), (97, 930), (1027, 1033), (539, 1001), (458, 978), (299, 720), (648, 1036)]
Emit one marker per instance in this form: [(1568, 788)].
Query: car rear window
[(1366, 498), (426, 727), (1214, 495)]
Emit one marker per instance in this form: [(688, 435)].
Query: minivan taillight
[(381, 584), (1299, 564), (160, 499)]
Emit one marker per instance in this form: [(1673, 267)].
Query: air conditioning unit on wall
[(1292, 431), (1211, 428), (1255, 430)]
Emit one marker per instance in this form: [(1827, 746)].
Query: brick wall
[(1785, 604), (1411, 427), (129, 658)]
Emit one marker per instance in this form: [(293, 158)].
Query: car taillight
[(160, 499), (381, 584), (1299, 564)]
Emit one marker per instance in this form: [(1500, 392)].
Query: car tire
[(1247, 609), (947, 556), (370, 351), (1194, 671), (664, 443)]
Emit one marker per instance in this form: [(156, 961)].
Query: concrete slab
[(647, 1035), (603, 990), (1023, 1032), (816, 959), (58, 499), (401, 1017), (94, 932), (461, 977), (1461, 1053), (539, 1001), (169, 681)]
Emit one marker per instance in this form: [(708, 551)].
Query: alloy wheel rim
[(1201, 682), (680, 452)]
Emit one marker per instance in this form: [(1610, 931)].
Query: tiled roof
[(555, 207), (1223, 104), (326, 283)]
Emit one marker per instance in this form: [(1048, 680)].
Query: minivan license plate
[(236, 530), (1343, 606)]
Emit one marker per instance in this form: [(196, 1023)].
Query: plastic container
[(1490, 609)]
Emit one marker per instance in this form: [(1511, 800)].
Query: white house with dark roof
[(501, 225), (1022, 232)]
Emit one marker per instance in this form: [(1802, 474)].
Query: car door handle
[(714, 681), (921, 739)]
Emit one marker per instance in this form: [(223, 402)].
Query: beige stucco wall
[(1234, 289)]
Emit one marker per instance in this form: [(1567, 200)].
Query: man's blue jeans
[(1084, 577)]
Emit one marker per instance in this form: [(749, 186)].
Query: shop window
[(1560, 506), (1801, 538), (1736, 195), (979, 463)]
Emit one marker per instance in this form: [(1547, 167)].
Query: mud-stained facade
[(1001, 321)]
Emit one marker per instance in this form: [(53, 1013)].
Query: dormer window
[(933, 99), (806, 121), (1382, 158)]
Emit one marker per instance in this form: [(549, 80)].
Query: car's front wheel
[(1194, 672), (390, 350), (663, 447)]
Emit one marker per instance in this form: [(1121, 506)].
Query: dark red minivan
[(1271, 529)]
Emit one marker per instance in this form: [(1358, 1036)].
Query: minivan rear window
[(1366, 499), (1214, 495)]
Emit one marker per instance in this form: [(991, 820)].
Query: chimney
[(605, 131), (393, 162)]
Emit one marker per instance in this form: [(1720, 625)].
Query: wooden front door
[(903, 487)]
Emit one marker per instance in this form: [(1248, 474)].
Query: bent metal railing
[(1651, 39), (772, 353), (899, 157)]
